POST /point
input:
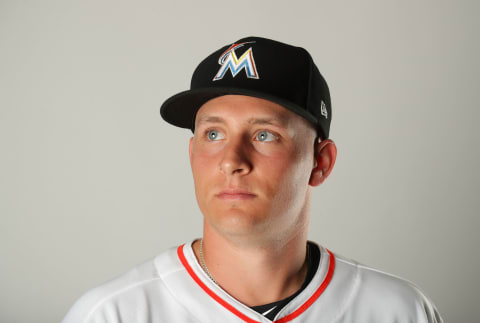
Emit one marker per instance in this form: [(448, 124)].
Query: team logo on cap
[(230, 61)]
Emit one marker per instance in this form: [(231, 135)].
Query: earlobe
[(326, 154)]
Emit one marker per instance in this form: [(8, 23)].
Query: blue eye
[(265, 135), (214, 135)]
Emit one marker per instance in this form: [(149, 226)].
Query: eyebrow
[(253, 121)]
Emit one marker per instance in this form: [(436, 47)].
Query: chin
[(237, 221)]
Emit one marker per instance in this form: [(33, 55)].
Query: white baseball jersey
[(173, 288)]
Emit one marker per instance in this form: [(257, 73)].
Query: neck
[(255, 274)]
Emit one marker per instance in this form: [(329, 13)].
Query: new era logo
[(323, 110)]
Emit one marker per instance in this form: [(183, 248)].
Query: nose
[(235, 159)]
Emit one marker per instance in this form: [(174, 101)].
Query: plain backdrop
[(93, 181)]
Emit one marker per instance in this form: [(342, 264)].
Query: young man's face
[(251, 161)]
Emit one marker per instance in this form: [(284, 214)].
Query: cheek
[(203, 166), (270, 151), (277, 172), (288, 175), (201, 171)]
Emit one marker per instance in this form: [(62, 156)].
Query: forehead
[(246, 109)]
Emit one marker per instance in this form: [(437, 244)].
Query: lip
[(235, 194)]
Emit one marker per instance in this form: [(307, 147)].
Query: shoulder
[(375, 293), (126, 294)]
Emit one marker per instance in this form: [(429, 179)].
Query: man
[(260, 112)]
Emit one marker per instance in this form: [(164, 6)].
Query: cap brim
[(180, 110)]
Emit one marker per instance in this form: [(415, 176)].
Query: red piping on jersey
[(318, 292), (209, 291), (291, 316)]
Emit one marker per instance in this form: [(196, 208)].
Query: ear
[(325, 156), (190, 149)]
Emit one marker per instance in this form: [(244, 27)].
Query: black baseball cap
[(257, 67)]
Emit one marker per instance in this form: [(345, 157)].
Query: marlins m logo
[(229, 61)]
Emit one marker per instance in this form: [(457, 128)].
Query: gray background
[(93, 182)]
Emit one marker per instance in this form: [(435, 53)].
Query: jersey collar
[(294, 309)]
